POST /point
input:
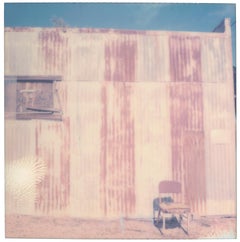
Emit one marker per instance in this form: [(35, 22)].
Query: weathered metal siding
[(185, 58), (84, 106), (220, 154), (187, 136), (120, 56), (215, 56), (88, 53), (19, 139), (187, 128), (53, 145), (153, 55), (53, 52), (152, 142), (20, 48), (219, 124), (117, 158), (139, 107)]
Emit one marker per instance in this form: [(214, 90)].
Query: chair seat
[(174, 207)]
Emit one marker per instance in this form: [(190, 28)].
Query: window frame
[(49, 113)]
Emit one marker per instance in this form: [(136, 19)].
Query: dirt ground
[(23, 226)]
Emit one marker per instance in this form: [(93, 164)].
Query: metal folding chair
[(168, 207)]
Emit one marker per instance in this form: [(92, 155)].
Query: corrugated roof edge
[(227, 30)]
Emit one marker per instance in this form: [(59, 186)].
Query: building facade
[(113, 112)]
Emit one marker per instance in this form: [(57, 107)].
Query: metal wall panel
[(153, 55), (84, 108), (185, 58), (53, 146), (187, 134), (120, 56), (19, 144), (214, 56), (117, 151), (219, 145), (152, 142), (22, 48), (53, 52), (19, 139), (219, 124), (138, 107), (87, 57)]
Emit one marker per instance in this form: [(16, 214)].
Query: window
[(32, 98)]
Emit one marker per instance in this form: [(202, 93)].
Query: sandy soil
[(23, 226)]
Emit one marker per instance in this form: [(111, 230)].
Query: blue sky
[(140, 16), (166, 16)]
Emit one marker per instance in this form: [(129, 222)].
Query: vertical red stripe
[(122, 55), (117, 133), (186, 114), (117, 177), (185, 58), (54, 191), (103, 155), (55, 51)]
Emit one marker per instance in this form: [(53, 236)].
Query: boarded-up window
[(32, 98)]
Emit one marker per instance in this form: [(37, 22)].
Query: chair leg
[(155, 216), (164, 222), (180, 220), (158, 216)]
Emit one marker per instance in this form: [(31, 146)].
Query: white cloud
[(147, 12)]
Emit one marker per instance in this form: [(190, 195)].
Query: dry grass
[(22, 226)]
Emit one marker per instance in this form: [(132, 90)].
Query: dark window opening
[(32, 98)]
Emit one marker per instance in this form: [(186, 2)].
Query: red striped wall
[(138, 107)]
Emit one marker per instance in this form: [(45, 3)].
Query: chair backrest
[(169, 187)]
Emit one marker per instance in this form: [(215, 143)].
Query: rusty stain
[(110, 31), (117, 153), (54, 191), (185, 58), (187, 130), (149, 91), (121, 56), (103, 155), (65, 161), (54, 48)]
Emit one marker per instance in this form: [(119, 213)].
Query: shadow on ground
[(171, 223)]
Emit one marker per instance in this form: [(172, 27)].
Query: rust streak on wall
[(117, 157), (53, 145), (143, 106), (117, 150), (103, 155), (65, 162), (188, 161), (185, 58), (54, 49), (121, 56)]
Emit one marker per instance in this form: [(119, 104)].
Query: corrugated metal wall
[(139, 107)]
